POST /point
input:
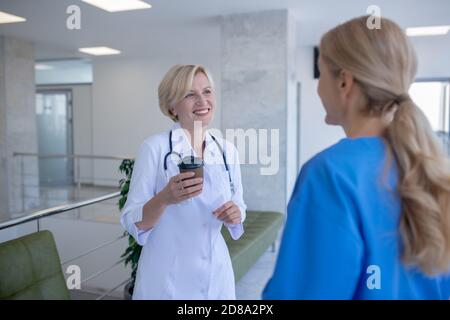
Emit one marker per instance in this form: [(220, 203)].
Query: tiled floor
[(251, 285), (84, 295)]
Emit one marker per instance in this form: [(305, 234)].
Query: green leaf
[(122, 202), (133, 251)]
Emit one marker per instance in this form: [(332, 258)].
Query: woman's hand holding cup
[(182, 187)]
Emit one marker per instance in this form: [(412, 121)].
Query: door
[(54, 124)]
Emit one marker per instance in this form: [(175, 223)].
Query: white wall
[(433, 54), (126, 109), (315, 134), (292, 124)]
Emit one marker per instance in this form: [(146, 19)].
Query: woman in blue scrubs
[(369, 217)]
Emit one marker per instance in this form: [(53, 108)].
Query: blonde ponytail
[(384, 64), (424, 188)]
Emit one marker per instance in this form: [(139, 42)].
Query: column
[(17, 126), (259, 93)]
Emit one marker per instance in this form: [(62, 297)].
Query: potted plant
[(133, 251)]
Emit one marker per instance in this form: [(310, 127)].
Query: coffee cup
[(192, 164)]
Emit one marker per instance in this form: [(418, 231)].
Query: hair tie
[(396, 101), (402, 98)]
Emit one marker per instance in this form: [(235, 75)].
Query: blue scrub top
[(341, 239)]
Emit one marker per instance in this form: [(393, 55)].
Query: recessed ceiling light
[(41, 66), (99, 51), (10, 18), (427, 31), (119, 5)]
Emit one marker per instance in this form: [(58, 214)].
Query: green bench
[(261, 230), (30, 269)]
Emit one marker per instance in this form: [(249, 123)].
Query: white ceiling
[(174, 26)]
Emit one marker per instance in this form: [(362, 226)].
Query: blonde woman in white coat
[(176, 218)]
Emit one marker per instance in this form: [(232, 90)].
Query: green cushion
[(261, 230), (30, 268)]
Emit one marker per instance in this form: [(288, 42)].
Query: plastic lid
[(191, 162)]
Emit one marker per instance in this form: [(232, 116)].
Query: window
[(433, 98)]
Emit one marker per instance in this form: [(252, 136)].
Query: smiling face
[(197, 105)]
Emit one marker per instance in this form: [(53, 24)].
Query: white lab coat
[(184, 256)]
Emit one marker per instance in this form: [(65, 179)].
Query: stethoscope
[(227, 168)]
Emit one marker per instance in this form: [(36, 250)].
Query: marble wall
[(17, 125), (257, 88)]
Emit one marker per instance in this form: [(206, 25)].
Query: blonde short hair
[(176, 84)]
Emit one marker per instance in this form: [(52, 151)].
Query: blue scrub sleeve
[(321, 252), (445, 287)]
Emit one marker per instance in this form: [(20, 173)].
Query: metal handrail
[(54, 180), (103, 271), (55, 210), (56, 155), (115, 288), (93, 250), (77, 159)]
